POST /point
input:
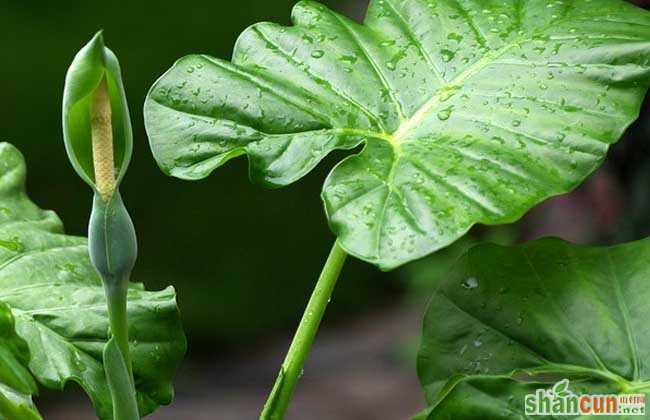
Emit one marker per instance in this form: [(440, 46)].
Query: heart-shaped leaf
[(58, 303), (471, 111), (510, 320)]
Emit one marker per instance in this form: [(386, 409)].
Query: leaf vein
[(534, 139), (625, 314), (440, 180), (415, 41), (373, 64), (331, 88), (256, 81)]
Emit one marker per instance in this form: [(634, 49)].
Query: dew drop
[(349, 58), (445, 114), (447, 55), (455, 37), (469, 283)]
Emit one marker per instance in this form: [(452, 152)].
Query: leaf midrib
[(446, 90), (565, 323), (442, 94)]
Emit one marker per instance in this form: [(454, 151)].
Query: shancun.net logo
[(560, 401)]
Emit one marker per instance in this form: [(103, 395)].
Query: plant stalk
[(292, 367), (118, 367), (116, 299), (104, 165)]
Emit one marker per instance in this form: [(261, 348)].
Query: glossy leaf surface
[(509, 320), (57, 300), (470, 112)]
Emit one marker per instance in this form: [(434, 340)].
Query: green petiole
[(292, 367)]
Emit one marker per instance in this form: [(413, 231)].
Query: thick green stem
[(116, 300), (291, 370), (116, 356)]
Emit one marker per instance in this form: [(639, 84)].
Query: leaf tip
[(98, 38)]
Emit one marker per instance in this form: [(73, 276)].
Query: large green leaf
[(508, 320), (471, 111), (58, 303)]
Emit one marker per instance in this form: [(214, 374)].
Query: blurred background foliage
[(244, 259)]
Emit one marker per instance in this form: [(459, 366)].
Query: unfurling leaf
[(542, 313), (469, 111)]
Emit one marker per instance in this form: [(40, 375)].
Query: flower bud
[(96, 123)]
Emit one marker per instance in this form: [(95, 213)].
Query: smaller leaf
[(91, 66), (543, 313)]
